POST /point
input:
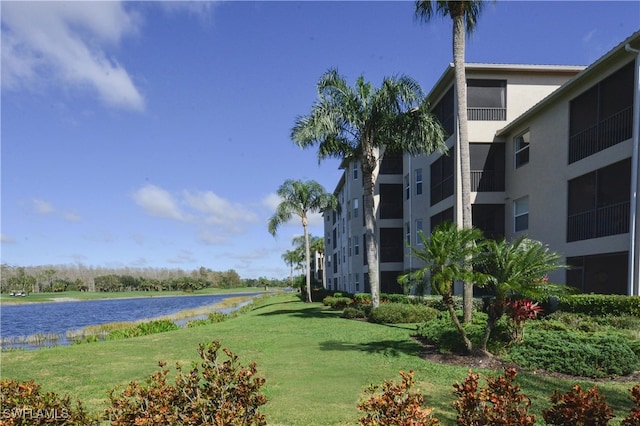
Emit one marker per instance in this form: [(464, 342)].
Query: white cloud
[(42, 207), (208, 237), (71, 217), (7, 239), (217, 210), (158, 202), (63, 43)]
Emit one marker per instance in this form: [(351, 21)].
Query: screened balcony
[(600, 222)]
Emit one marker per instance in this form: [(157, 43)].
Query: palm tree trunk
[(448, 301), (463, 141), (307, 261), (369, 165)]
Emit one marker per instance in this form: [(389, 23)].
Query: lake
[(57, 318)]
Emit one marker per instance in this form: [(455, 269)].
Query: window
[(521, 214), (390, 201), (486, 100), (355, 171), (391, 245), (418, 174), (443, 216), (521, 149), (407, 232), (442, 177), (349, 245), (391, 163), (356, 245), (418, 231), (355, 207), (357, 281), (407, 187)]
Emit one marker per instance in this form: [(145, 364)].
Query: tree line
[(40, 279)]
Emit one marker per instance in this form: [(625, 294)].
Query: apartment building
[(553, 156)]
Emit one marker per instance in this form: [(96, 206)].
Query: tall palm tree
[(301, 198), (464, 14), (449, 254), (518, 269), (360, 123)]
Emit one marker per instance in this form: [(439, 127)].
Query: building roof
[(634, 40), (448, 74)]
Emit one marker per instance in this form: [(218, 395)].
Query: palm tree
[(464, 14), (449, 254), (291, 258), (301, 198), (518, 269), (360, 123)]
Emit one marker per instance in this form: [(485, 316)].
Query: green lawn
[(6, 299), (316, 364)]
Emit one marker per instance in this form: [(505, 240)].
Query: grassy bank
[(6, 299), (316, 364)]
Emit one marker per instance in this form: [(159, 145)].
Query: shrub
[(402, 313), (600, 304), (634, 417), (212, 393), (23, 403), (579, 354), (362, 298), (499, 404), (443, 334), (396, 405), (578, 408), (336, 303), (354, 312), (143, 329), (393, 298)]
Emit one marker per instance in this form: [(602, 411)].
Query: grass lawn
[(316, 364), (6, 299)]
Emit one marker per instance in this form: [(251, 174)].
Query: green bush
[(143, 329), (337, 303), (354, 312), (443, 334), (362, 298), (393, 298), (401, 313), (600, 304), (577, 353)]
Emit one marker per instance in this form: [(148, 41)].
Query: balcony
[(606, 133), (600, 222), (487, 181), (486, 114)]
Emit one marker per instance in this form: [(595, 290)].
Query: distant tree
[(300, 198), (291, 258), (464, 14), (360, 123)]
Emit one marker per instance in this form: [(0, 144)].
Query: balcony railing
[(600, 222), (486, 114), (487, 181), (606, 133)]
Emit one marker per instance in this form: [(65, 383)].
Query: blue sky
[(155, 134)]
